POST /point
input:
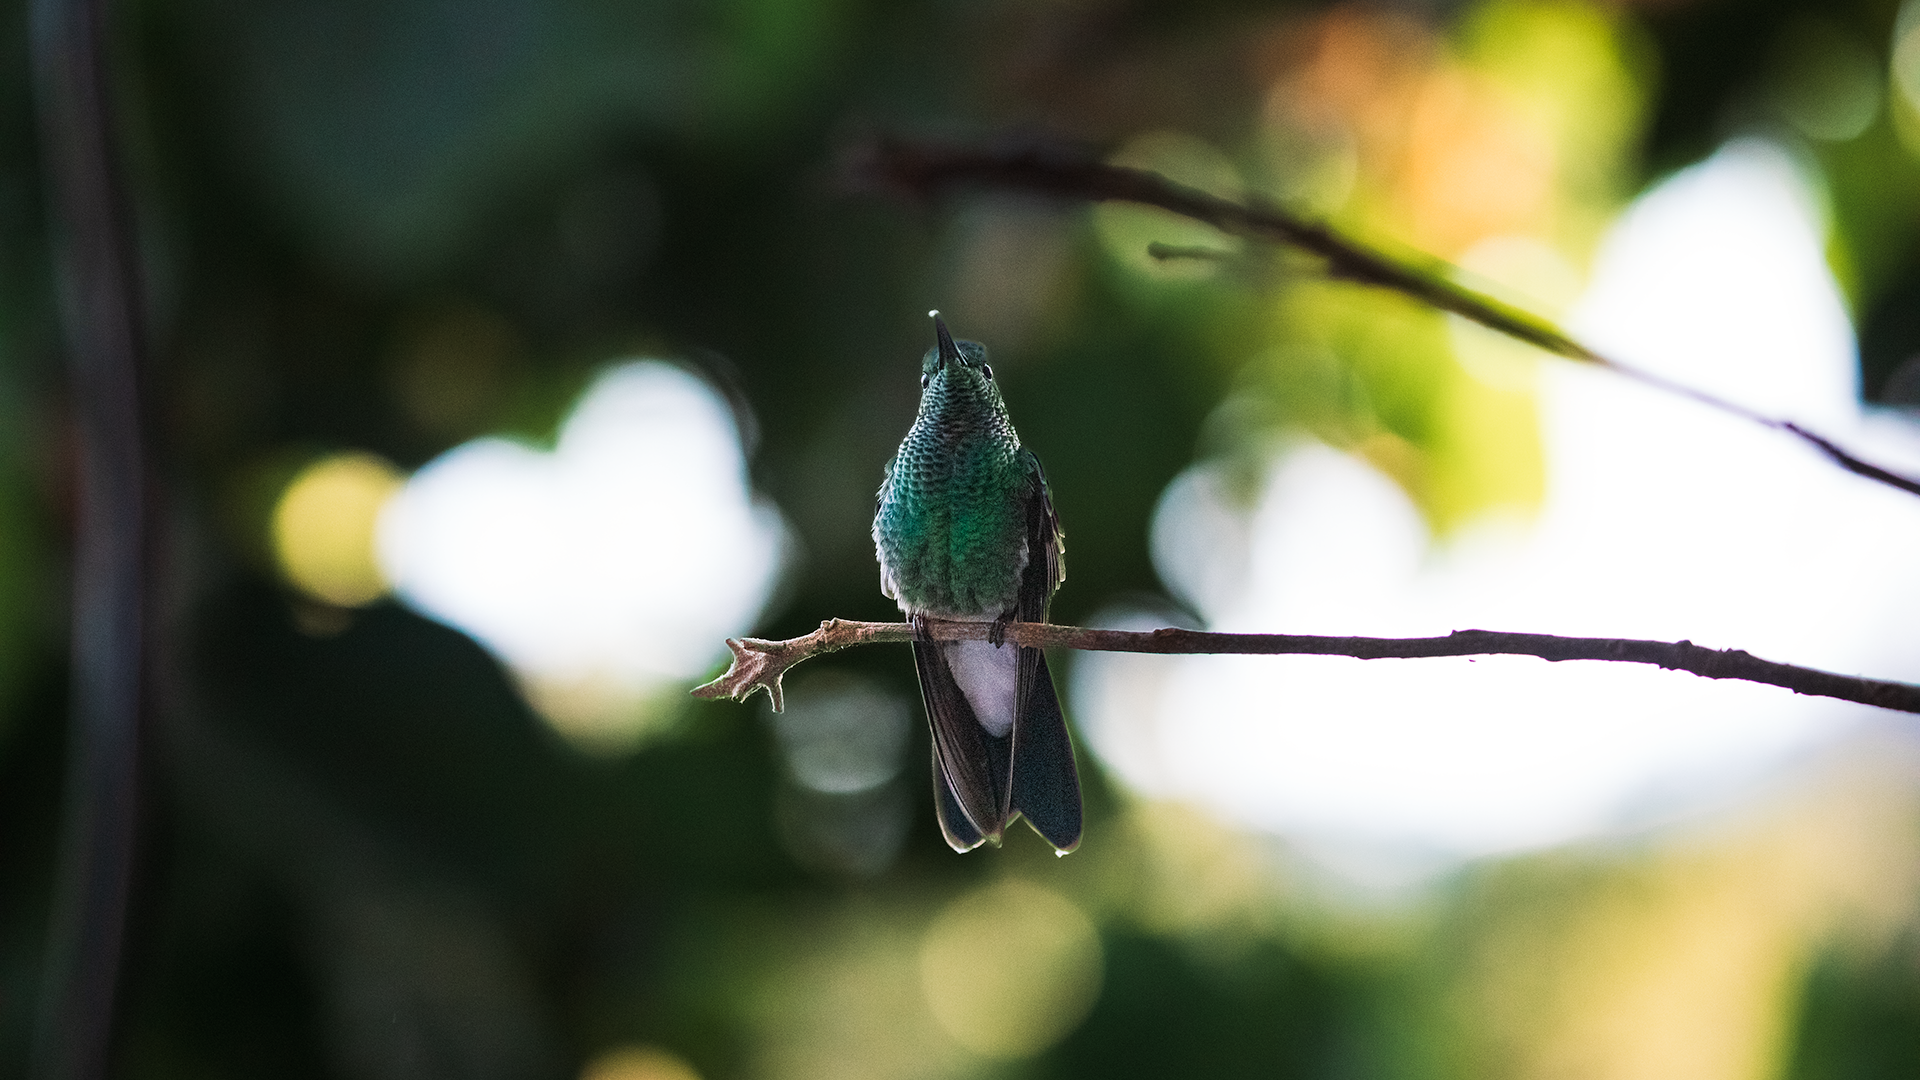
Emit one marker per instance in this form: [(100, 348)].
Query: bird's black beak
[(949, 352)]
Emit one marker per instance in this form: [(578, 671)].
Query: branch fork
[(759, 664), (924, 170)]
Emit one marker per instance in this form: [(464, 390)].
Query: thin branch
[(923, 170), (95, 262), (759, 664)]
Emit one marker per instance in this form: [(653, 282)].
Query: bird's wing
[(1046, 546), (970, 765), (1046, 569), (954, 823), (1044, 786), (887, 588)]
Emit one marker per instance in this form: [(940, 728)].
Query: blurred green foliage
[(394, 226)]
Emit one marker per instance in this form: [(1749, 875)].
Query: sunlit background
[(513, 354)]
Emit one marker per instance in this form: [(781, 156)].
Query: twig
[(923, 170), (759, 664), (95, 262)]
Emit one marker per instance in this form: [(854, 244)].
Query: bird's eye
[(987, 370), (924, 380)]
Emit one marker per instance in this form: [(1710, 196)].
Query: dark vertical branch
[(95, 261)]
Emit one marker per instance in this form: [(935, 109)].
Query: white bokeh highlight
[(600, 570), (1662, 520)]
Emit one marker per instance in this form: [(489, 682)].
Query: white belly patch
[(990, 678)]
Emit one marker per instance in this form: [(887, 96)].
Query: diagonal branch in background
[(759, 664), (923, 170)]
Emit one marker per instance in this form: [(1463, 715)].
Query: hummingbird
[(965, 531)]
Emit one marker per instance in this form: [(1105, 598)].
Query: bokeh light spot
[(843, 739), (1826, 82), (1011, 969), (843, 735), (1661, 521), (638, 1063), (323, 528), (602, 571), (1906, 54)]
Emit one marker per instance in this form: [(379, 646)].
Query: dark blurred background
[(374, 231)]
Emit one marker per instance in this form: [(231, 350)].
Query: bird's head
[(956, 371)]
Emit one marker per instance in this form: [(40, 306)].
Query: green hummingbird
[(965, 531)]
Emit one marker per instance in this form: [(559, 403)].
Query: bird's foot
[(997, 630), (921, 631)]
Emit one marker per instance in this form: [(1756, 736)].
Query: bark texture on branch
[(759, 664), (925, 170)]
